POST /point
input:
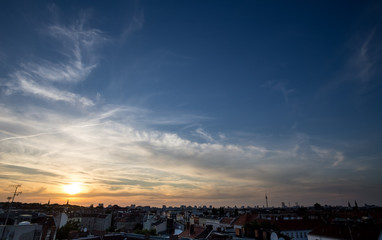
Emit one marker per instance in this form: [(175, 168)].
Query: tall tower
[(266, 200)]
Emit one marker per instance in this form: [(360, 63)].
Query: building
[(22, 231), (346, 231), (296, 229), (49, 228), (96, 224), (240, 223), (194, 232)]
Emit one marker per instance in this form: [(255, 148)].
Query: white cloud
[(320, 152), (46, 79), (201, 133), (102, 147), (363, 66), (69, 72), (280, 87), (339, 158), (222, 136), (29, 86), (367, 58), (329, 155), (136, 23)]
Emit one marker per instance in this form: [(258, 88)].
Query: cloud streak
[(123, 152), (134, 25), (99, 150), (45, 79), (280, 87), (30, 87), (329, 155)]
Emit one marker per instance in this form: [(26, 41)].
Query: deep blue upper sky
[(277, 75)]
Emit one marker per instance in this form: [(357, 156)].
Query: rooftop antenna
[(16, 193)]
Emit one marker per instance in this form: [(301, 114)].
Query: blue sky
[(192, 102)]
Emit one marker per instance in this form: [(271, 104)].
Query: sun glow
[(73, 188)]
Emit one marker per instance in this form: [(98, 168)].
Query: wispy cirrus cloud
[(101, 147), (28, 86), (126, 153), (361, 69), (47, 79), (366, 58), (329, 155), (25, 170), (281, 87), (204, 135), (133, 24)]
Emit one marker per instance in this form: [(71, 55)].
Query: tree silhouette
[(63, 232)]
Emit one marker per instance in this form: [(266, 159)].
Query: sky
[(191, 102)]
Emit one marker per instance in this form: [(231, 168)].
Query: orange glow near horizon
[(72, 188)]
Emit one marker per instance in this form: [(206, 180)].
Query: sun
[(73, 188)]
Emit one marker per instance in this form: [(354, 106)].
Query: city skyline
[(191, 103)]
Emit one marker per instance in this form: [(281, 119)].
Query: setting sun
[(73, 188)]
